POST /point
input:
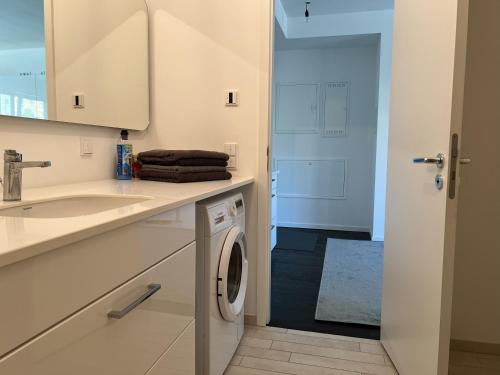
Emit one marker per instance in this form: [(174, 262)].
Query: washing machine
[(222, 274)]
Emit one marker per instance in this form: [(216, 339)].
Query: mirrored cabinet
[(82, 61)]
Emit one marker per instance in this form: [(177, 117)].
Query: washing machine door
[(233, 275)]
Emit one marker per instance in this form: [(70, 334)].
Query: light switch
[(231, 149), (78, 101), (232, 162), (232, 98), (86, 146)]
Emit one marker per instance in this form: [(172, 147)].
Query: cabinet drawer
[(90, 342), (180, 358), (41, 291)]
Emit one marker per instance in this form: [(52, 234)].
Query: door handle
[(152, 289), (438, 160)]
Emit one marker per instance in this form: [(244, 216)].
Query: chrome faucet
[(13, 166)]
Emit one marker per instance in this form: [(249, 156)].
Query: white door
[(426, 109)]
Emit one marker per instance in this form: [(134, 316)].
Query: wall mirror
[(75, 61)]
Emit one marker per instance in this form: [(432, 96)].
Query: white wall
[(194, 59), (59, 143), (359, 23), (476, 300), (358, 66)]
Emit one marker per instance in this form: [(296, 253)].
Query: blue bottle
[(124, 158)]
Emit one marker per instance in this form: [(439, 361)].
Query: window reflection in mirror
[(23, 83), (53, 51)]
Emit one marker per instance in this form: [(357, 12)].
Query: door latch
[(454, 161)]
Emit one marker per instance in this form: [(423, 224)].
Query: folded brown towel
[(186, 177), (185, 162), (183, 157), (159, 169)]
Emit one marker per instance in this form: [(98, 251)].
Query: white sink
[(65, 207)]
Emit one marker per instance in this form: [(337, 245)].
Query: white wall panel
[(336, 109), (311, 197), (297, 107), (312, 179)]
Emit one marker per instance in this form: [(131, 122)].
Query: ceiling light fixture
[(307, 14)]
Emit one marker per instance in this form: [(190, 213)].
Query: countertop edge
[(23, 253)]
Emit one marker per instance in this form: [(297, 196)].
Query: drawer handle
[(272, 196), (152, 289), (274, 180)]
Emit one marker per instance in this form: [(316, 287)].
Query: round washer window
[(234, 273)]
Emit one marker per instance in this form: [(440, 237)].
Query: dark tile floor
[(296, 278)]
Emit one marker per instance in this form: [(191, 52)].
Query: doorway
[(329, 147), (429, 49)]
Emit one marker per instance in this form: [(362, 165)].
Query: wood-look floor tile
[(268, 328), (465, 370), (237, 370), (256, 342), (291, 368), (492, 362), (276, 355), (329, 352), (372, 348), (236, 360), (332, 337), (342, 364), (303, 339), (464, 359), (388, 361)]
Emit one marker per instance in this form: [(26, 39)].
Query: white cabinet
[(41, 291), (90, 342), (180, 358), (55, 310), (274, 209)]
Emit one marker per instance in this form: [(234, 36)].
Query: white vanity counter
[(22, 238), (100, 278)]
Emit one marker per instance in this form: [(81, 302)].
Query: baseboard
[(250, 320), (346, 228), (378, 238), (475, 347)]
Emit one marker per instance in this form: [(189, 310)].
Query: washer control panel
[(219, 217), (223, 214)]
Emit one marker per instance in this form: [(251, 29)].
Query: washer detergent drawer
[(44, 290), (90, 342)]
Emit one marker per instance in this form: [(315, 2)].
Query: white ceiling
[(281, 43), (296, 8), (21, 24)]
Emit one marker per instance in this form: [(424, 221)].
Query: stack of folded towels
[(183, 165)]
